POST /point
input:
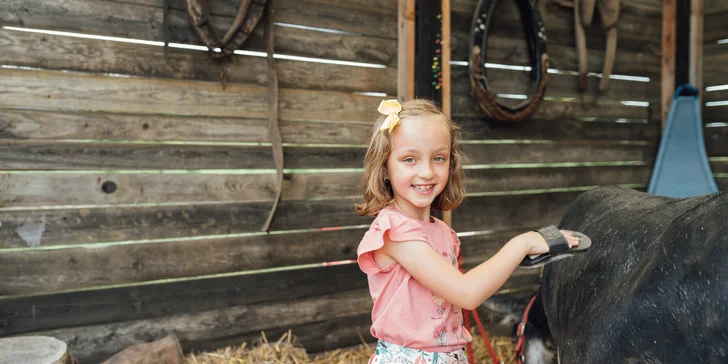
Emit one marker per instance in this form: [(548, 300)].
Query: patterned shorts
[(388, 353)]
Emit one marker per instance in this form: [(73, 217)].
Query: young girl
[(414, 163)]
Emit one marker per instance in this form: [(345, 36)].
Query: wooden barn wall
[(176, 249), (715, 81)]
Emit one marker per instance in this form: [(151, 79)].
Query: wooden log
[(50, 125), (166, 350), (34, 350), (123, 19), (55, 52), (83, 92)]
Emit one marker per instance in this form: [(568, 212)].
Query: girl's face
[(418, 166)]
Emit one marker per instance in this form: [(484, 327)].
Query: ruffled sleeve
[(455, 243), (398, 228)]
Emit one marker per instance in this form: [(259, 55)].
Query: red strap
[(481, 329), (521, 332)]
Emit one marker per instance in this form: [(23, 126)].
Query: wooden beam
[(696, 47), (446, 109), (669, 9), (406, 50)]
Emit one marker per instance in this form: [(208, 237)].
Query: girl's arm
[(471, 289)]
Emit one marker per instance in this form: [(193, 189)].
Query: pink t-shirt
[(405, 312)]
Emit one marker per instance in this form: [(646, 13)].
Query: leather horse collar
[(249, 14), (539, 60)]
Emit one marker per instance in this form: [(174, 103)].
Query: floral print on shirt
[(388, 353)]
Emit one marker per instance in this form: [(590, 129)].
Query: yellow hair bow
[(391, 108)]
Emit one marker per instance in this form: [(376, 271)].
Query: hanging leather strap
[(273, 129), (535, 37), (249, 14)]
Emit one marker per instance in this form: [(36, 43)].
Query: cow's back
[(653, 287)]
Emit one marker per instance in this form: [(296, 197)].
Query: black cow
[(652, 289)]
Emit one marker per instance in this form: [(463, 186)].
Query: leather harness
[(539, 60), (249, 14)]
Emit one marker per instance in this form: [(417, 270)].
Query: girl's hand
[(537, 244)]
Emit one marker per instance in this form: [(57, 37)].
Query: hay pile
[(286, 351)]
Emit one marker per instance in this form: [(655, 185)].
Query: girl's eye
[(409, 160), (440, 159)]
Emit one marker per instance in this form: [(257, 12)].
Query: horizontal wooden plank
[(74, 268), (559, 86), (714, 6), (512, 211), (49, 125), (722, 183), (716, 141), (637, 33), (113, 188), (715, 114), (83, 92), (375, 19), (123, 19), (464, 105), (559, 129), (136, 302), (107, 339), (49, 155), (32, 313), (714, 26), (206, 330), (57, 52), (509, 49), (41, 188), (493, 180), (148, 158), (136, 222), (720, 95), (126, 223), (719, 167), (143, 262), (41, 124)]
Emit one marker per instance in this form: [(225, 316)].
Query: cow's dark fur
[(652, 289)]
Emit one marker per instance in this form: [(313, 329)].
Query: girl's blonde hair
[(378, 192)]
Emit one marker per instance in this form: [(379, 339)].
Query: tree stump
[(162, 351), (34, 350)]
